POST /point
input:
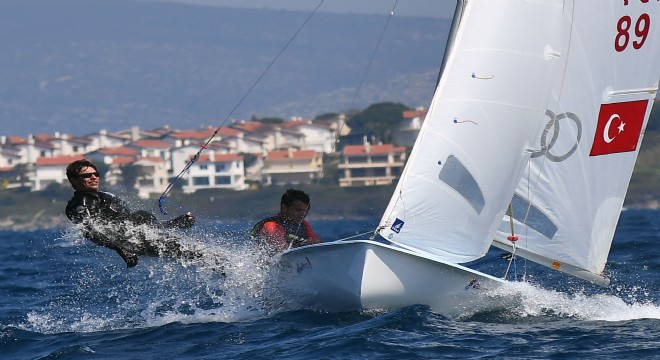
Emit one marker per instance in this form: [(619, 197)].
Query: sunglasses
[(89, 175)]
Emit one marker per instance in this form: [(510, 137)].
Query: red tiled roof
[(229, 131), (409, 114), (57, 160), (248, 126), (374, 149), (155, 159), (123, 160), (220, 158), (43, 137), (15, 140), (295, 123), (191, 134)]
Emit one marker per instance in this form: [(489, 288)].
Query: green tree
[(56, 191), (326, 116), (271, 120), (330, 169), (378, 120)]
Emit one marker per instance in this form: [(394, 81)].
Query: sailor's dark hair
[(292, 195), (73, 169)]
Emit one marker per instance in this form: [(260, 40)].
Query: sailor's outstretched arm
[(182, 222)]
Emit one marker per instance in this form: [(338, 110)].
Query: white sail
[(573, 190), (545, 98), (488, 108)]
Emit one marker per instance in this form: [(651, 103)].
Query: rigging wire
[(170, 187), (371, 59), (513, 238)]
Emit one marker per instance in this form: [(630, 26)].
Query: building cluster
[(231, 157)]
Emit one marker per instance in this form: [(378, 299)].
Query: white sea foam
[(536, 301)]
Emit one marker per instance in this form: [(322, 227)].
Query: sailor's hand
[(296, 241), (184, 221), (190, 219)]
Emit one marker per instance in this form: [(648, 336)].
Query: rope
[(161, 199), (355, 236), (373, 54), (511, 261), (512, 238)]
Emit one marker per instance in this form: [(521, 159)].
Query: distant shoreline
[(51, 217)]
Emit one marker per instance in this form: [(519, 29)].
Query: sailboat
[(528, 146)]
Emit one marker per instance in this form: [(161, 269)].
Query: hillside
[(77, 66)]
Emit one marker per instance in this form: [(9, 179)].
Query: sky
[(425, 8)]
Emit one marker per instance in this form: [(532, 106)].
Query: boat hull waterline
[(364, 274)]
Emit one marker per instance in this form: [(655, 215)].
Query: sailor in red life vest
[(288, 229)]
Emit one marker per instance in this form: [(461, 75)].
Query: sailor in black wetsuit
[(108, 222)]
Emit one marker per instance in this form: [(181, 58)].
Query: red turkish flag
[(619, 126)]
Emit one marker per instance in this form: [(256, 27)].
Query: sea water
[(62, 297)]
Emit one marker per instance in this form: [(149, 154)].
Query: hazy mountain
[(78, 66)]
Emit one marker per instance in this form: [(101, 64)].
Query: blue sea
[(62, 297)]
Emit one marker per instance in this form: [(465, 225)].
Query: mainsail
[(567, 205), (488, 108)]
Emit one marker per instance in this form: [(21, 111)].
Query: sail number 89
[(623, 28)]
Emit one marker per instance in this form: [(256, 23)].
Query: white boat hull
[(363, 274)]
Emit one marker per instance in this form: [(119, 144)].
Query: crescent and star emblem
[(606, 130)]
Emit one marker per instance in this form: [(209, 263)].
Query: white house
[(291, 166), (103, 139), (239, 141), (63, 144), (406, 132), (337, 124), (8, 159), (153, 148), (108, 155), (179, 138), (316, 136), (180, 156), (273, 136), (29, 149), (366, 164), (48, 170), (152, 176), (215, 171)]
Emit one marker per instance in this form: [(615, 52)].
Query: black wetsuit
[(108, 222)]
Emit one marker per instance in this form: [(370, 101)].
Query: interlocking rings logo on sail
[(553, 125)]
